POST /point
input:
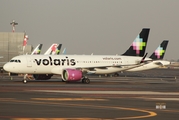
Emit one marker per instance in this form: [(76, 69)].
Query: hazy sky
[(94, 26)]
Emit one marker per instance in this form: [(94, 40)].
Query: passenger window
[(19, 61), (15, 60)]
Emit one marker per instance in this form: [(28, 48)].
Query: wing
[(110, 68)]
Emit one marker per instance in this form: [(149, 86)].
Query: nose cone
[(7, 67)]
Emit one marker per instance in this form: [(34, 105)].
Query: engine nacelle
[(71, 75), (42, 76)]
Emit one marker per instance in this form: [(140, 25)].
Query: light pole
[(13, 23)]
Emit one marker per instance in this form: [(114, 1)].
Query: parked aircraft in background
[(74, 67), (53, 49), (157, 58), (57, 50), (37, 50), (64, 51)]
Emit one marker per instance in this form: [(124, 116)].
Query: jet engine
[(72, 75), (42, 76)]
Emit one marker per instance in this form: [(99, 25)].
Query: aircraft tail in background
[(37, 50), (51, 49), (156, 59), (160, 51), (57, 50), (64, 51), (138, 46)]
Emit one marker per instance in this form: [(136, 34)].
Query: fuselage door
[(29, 61)]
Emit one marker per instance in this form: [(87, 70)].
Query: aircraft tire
[(24, 81), (87, 80)]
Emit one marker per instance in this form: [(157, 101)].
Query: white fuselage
[(54, 64)]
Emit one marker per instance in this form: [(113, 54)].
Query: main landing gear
[(85, 80)]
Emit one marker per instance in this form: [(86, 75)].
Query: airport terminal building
[(11, 44)]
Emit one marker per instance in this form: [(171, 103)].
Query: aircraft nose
[(6, 67)]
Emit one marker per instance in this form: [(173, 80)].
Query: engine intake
[(71, 75)]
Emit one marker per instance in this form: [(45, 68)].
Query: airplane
[(57, 50), (75, 67), (37, 50), (64, 51), (157, 58), (54, 49)]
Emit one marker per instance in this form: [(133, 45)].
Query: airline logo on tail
[(37, 51), (138, 45), (57, 51), (159, 52), (54, 47)]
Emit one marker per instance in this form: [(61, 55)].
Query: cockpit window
[(17, 61), (11, 60)]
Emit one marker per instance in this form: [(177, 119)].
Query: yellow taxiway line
[(33, 101)]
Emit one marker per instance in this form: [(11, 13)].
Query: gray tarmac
[(147, 95)]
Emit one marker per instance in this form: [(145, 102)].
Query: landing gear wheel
[(86, 80), (24, 81)]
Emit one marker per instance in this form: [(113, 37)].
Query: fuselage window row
[(99, 61)]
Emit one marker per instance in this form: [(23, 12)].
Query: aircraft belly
[(107, 70), (34, 70)]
